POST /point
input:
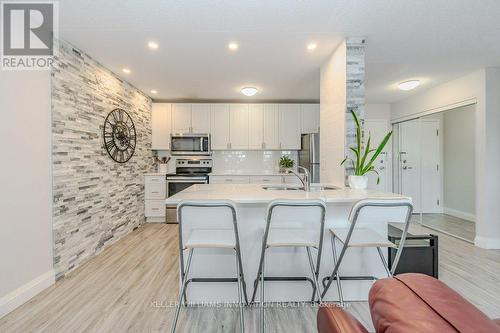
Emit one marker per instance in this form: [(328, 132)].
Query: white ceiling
[(431, 40)]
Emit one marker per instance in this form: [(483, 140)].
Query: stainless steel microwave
[(190, 144)]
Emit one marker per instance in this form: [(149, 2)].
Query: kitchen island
[(251, 201)]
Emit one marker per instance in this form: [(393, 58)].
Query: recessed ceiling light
[(312, 46), (153, 45), (233, 46), (154, 91), (409, 85), (126, 71), (249, 91)]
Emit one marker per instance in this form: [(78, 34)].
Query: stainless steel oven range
[(188, 172)]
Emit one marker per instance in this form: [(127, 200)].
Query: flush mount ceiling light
[(154, 91), (233, 46), (126, 71), (249, 91), (312, 46), (409, 85), (153, 45)]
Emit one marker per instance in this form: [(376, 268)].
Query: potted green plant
[(286, 163), (363, 158)]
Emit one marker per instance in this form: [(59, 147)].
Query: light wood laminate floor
[(126, 288), (452, 225)]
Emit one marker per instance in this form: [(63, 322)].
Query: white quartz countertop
[(255, 194), (154, 174)]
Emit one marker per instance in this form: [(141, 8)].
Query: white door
[(161, 126), (431, 183), (310, 118), (200, 118), (378, 129), (409, 161), (256, 128), (238, 126), (181, 118), (220, 126), (271, 128), (289, 126)]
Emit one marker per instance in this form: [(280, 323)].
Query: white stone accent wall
[(95, 199), (355, 97)]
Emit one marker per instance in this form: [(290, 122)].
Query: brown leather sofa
[(413, 303)]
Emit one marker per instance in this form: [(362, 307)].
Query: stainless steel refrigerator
[(309, 155)]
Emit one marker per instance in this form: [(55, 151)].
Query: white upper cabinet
[(181, 118), (220, 126), (238, 134), (161, 118), (235, 126), (200, 118), (271, 138), (289, 126), (310, 118), (256, 127)]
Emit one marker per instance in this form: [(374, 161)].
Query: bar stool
[(292, 234), (362, 237), (210, 224)]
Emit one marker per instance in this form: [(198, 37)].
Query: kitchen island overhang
[(252, 201)]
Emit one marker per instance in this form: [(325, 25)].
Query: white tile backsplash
[(241, 161), (249, 160)]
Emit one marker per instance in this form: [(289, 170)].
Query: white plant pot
[(162, 168), (358, 182)]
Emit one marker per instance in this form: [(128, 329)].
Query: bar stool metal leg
[(314, 276), (181, 293), (335, 270), (240, 296), (337, 276), (262, 294), (389, 274)]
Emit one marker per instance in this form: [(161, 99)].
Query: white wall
[(458, 136), (482, 87), (377, 111), (25, 175), (333, 116)]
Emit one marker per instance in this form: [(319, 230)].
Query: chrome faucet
[(306, 182)]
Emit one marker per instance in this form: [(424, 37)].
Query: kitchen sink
[(323, 188), (298, 188), (283, 188)]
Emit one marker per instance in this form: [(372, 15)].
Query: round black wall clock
[(119, 135)]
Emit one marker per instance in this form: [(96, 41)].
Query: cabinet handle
[(229, 180), (155, 192), (155, 208)]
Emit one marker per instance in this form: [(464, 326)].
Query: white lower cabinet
[(265, 180), (229, 180), (155, 193)]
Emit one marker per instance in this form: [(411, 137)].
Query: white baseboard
[(491, 243), (24, 293), (459, 214)]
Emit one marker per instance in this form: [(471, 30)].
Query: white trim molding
[(26, 292), (490, 243), (460, 214), (448, 107)]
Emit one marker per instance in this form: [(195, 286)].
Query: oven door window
[(176, 187), (183, 144)]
